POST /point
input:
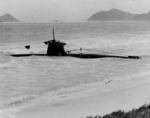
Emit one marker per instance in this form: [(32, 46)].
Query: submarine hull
[(84, 56)]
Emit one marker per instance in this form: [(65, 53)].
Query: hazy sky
[(67, 10)]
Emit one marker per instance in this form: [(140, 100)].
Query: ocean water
[(27, 81)]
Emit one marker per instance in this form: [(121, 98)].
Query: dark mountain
[(118, 15), (8, 18)]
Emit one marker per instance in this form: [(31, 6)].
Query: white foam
[(7, 114), (7, 64), (85, 90)]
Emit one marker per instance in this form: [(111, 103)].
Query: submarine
[(56, 48)]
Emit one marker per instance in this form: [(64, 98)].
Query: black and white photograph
[(74, 58)]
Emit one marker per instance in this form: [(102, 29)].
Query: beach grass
[(142, 112)]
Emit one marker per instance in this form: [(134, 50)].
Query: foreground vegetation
[(142, 112)]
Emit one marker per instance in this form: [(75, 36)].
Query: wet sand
[(100, 104)]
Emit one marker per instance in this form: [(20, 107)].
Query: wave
[(6, 61), (17, 102), (7, 109), (74, 92), (83, 90), (20, 101)]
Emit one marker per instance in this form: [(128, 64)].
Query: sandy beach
[(101, 104)]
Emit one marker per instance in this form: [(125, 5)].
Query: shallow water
[(36, 80)]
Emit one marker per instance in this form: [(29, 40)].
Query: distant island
[(118, 15), (7, 18)]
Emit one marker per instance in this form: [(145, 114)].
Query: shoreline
[(100, 104)]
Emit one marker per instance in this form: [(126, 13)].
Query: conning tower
[(55, 48)]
